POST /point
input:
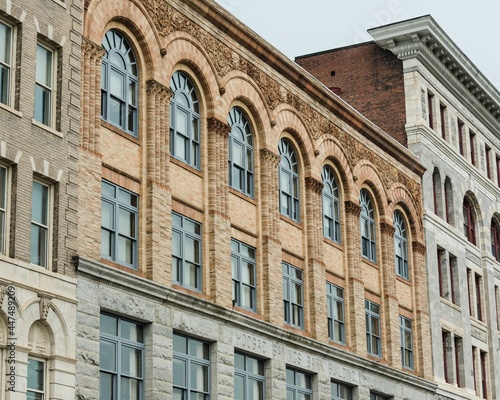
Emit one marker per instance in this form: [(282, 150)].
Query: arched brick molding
[(401, 197), (365, 173)]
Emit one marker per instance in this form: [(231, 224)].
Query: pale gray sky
[(297, 27)]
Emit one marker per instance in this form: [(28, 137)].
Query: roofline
[(261, 49), (350, 46)]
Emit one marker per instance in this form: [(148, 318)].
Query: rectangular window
[(472, 139), (244, 275), (191, 368), (298, 385), (44, 85), (339, 391), (459, 361), (479, 311), (498, 171), (441, 259), (442, 114), (40, 224), (461, 137), (3, 209), (474, 368), (373, 334), (121, 363), (487, 154), (119, 224), (430, 105), (406, 342), (335, 312), (249, 379), (484, 371), (293, 301), (5, 62), (186, 252), (469, 290), (36, 380), (497, 306), (447, 356), (377, 396), (454, 289)]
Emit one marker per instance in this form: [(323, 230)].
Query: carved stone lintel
[(418, 247), (45, 304), (218, 127), (387, 228), (352, 208), (92, 50), (267, 156), (155, 87), (314, 185)]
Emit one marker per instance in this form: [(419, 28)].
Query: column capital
[(269, 157), (92, 50), (155, 87), (387, 228), (314, 185), (352, 208), (418, 247), (218, 127)]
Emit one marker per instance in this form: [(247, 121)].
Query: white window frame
[(44, 392), (48, 225), (5, 210), (11, 65), (52, 88)]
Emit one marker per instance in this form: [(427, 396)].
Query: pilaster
[(158, 209), (356, 288), (219, 224), (272, 292), (315, 288)]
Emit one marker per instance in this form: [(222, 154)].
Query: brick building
[(269, 243), (416, 84), (39, 137)]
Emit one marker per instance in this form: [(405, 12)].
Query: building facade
[(447, 113), (243, 233), (39, 137)]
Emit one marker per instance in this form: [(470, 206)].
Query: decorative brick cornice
[(314, 185), (418, 247), (352, 208), (218, 127), (155, 87), (92, 50), (267, 156), (387, 228)]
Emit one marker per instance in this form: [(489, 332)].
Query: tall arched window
[(368, 240), (331, 205), (119, 80), (401, 246), (289, 181), (240, 152), (495, 239), (184, 121), (469, 221)]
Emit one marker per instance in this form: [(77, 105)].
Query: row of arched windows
[(119, 91)]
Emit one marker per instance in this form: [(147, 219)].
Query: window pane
[(199, 377), (4, 84), (107, 215), (126, 222), (116, 85), (179, 372), (125, 250), (239, 388), (106, 243), (38, 248), (176, 244), (198, 349), (106, 386), (182, 122), (108, 325), (5, 42), (130, 389), (107, 355), (36, 374), (115, 111), (247, 273), (39, 206), (131, 362), (180, 344), (43, 66), (256, 390), (192, 250)]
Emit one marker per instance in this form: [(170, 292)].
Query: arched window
[(368, 241), (469, 221), (119, 79), (38, 362), (401, 246), (495, 239), (289, 181), (240, 152), (331, 205), (184, 121), (448, 200)]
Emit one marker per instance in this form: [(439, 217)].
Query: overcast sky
[(297, 27)]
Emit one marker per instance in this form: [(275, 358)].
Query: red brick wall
[(369, 78)]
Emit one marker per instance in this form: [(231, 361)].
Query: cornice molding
[(423, 39)]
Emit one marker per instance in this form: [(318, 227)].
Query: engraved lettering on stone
[(472, 257), (343, 373), (250, 342)]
